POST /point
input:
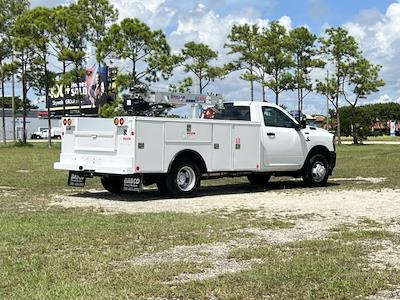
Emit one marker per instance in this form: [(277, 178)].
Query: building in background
[(34, 120)]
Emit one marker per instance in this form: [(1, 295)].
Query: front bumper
[(332, 161)]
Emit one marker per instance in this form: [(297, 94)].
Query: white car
[(38, 134), (56, 133)]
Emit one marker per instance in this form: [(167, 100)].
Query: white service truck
[(253, 139)]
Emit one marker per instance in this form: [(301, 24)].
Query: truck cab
[(285, 142)]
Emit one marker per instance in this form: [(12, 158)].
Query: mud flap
[(133, 183), (76, 179)]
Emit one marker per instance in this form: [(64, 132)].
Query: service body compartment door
[(221, 148), (188, 135), (246, 147), (149, 146)]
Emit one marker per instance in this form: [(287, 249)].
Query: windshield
[(232, 112)]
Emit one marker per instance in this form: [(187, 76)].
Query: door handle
[(270, 133)]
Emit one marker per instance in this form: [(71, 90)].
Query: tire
[(316, 171), (112, 184), (162, 187), (184, 178), (258, 179)]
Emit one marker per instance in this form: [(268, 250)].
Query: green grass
[(383, 138), (369, 161), (48, 253)]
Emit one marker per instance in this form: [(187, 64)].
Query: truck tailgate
[(98, 145)]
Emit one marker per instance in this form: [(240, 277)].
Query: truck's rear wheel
[(184, 178), (258, 179), (316, 171), (112, 184)]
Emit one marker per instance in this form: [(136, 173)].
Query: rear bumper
[(332, 161), (92, 169)]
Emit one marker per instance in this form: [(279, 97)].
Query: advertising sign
[(83, 97)]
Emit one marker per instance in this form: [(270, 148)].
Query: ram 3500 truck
[(253, 139)]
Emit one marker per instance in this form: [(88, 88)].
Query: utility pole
[(13, 100), (327, 113)]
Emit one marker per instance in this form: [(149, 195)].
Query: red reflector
[(137, 168), (132, 133), (121, 121), (65, 122)]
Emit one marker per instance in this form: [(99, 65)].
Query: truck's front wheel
[(112, 184), (184, 178), (316, 172)]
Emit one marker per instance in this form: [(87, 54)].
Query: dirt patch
[(303, 230), (216, 255), (387, 255), (353, 204), (386, 294), (374, 180)]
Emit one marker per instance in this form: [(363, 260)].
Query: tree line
[(368, 115), (271, 57)]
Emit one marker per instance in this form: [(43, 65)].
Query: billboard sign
[(86, 95)]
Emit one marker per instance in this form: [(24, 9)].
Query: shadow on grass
[(152, 194)]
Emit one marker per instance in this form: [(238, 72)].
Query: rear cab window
[(234, 112)]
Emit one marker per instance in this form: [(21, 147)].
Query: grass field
[(50, 252), (383, 138)]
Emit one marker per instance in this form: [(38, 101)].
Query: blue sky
[(375, 25)]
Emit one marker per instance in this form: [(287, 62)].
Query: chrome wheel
[(186, 179), (318, 171)]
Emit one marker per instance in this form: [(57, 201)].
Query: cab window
[(231, 112), (275, 118)]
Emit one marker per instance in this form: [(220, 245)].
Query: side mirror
[(301, 125)]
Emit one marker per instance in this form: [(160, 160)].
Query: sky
[(374, 24)]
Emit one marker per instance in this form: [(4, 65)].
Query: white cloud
[(383, 99), (286, 21), (155, 13)]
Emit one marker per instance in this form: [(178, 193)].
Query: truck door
[(283, 145)]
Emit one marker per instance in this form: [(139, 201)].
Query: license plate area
[(76, 179), (133, 183)]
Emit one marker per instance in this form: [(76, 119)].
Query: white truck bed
[(148, 145)]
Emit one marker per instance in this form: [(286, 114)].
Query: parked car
[(38, 134), (56, 133)]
